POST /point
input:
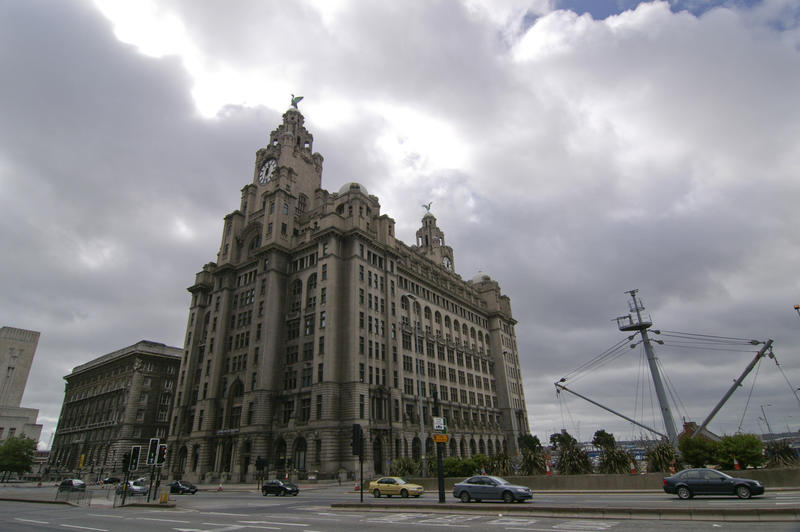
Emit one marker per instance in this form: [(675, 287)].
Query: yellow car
[(394, 486)]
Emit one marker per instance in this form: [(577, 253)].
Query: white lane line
[(109, 515), (161, 520), (87, 528), (32, 521), (272, 523)]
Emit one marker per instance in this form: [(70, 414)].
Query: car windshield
[(401, 481), (187, 484), (500, 480)]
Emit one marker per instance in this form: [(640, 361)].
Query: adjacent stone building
[(17, 348), (111, 403), (315, 317)]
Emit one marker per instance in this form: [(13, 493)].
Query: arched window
[(427, 313), (447, 321)]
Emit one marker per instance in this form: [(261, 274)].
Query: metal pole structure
[(654, 431), (769, 429), (439, 453), (666, 412), (361, 474), (736, 384)]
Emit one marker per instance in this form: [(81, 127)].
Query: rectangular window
[(319, 372), (361, 406), (288, 410), (322, 319), (319, 405)]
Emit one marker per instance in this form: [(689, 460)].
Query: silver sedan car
[(485, 487)]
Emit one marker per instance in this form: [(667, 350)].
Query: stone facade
[(314, 317), (17, 349), (112, 403)]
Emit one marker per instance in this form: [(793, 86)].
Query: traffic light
[(162, 454), (134, 463), (358, 440), (152, 450), (126, 461)]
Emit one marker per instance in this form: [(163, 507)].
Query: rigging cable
[(792, 388), (749, 395), (606, 356), (673, 392)]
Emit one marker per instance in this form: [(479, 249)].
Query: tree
[(603, 439), (454, 466), (661, 457), (499, 464), (746, 448), (613, 460), (562, 439), (17, 454), (699, 451), (533, 462), (780, 454), (404, 467), (529, 442), (572, 459)]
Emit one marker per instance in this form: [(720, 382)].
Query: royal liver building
[(314, 317)]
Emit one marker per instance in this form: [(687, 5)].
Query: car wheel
[(464, 496), (508, 496), (404, 493), (684, 493), (376, 494), (295, 494), (743, 492)]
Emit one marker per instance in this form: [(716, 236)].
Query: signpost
[(440, 437)]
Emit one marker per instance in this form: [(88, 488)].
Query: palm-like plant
[(661, 457)]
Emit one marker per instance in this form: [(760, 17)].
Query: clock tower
[(430, 242)]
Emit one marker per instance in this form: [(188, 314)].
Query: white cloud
[(570, 158)]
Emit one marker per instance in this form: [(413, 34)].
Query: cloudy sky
[(573, 150)]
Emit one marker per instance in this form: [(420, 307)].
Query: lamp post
[(413, 301)]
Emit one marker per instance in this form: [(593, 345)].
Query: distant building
[(690, 427), (17, 348), (315, 317), (112, 403)]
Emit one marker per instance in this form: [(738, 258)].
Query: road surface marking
[(87, 528), (32, 521), (272, 523)]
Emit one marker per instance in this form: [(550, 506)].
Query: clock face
[(267, 171), (447, 263)]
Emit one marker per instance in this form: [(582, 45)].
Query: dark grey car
[(485, 487), (702, 481)]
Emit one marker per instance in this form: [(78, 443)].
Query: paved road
[(311, 511), (302, 515)]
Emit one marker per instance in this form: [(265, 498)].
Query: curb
[(658, 514)]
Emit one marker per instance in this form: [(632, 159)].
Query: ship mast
[(641, 324)]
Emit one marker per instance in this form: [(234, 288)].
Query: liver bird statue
[(427, 206), (296, 100)]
